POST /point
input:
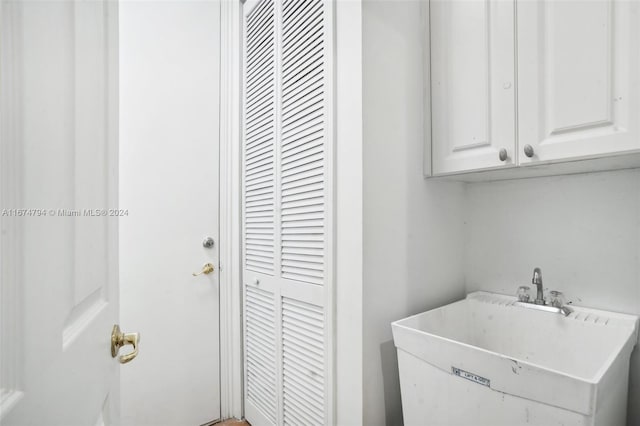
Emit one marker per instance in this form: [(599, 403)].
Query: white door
[(60, 260), (472, 85), (287, 211), (169, 108), (578, 79)]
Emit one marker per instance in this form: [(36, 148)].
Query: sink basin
[(484, 360)]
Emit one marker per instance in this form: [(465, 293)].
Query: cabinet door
[(578, 79), (472, 84)]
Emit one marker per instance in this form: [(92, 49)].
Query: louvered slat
[(260, 342), (303, 362), (259, 145), (303, 146)]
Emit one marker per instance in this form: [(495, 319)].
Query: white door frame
[(10, 183), (231, 358)]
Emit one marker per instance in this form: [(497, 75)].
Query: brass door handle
[(206, 269), (120, 339)]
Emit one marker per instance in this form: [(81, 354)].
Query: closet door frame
[(230, 234)]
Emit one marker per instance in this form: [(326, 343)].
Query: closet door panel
[(260, 353), (260, 139), (259, 213), (302, 177), (303, 180)]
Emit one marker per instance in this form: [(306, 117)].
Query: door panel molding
[(88, 288), (558, 57)]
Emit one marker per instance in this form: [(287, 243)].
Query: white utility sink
[(486, 361)]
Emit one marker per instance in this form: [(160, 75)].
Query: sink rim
[(629, 321)]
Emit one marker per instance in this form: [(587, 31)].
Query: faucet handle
[(556, 299), (523, 293)]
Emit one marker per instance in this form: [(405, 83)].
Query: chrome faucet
[(537, 281), (556, 298)]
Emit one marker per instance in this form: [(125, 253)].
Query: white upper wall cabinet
[(577, 85), (472, 85), (578, 79)]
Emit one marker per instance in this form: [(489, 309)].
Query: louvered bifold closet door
[(259, 196), (287, 152)]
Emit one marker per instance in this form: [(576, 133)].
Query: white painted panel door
[(578, 78), (472, 85), (286, 215), (59, 262), (169, 133)]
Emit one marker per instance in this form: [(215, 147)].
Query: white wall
[(582, 230), (413, 228)]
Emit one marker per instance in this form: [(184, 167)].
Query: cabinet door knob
[(503, 154), (528, 150)]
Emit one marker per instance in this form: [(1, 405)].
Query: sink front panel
[(431, 396)]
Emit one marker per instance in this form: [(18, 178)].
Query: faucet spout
[(565, 310), (537, 281)]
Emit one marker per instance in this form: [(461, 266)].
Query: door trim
[(11, 323), (231, 359)]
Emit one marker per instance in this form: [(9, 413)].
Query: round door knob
[(528, 150), (208, 242), (503, 155)]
